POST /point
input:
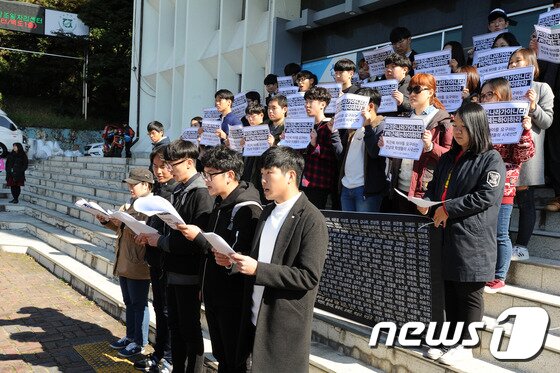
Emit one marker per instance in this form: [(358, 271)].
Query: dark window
[(5, 123)]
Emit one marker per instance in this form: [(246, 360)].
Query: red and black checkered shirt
[(321, 166)]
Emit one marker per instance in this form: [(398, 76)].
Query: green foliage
[(38, 112), (59, 80)]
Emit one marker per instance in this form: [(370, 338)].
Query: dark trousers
[(463, 302), (318, 197), (135, 297), (16, 191), (224, 326), (527, 215), (127, 146), (162, 349), (187, 348)]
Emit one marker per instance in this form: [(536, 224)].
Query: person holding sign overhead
[(541, 110), (470, 179), (513, 155), (410, 176)]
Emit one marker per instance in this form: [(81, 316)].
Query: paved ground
[(42, 318)]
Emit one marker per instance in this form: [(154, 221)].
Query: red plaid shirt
[(321, 166)]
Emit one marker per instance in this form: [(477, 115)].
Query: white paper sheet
[(218, 243), (418, 201), (156, 205), (91, 207), (135, 225)]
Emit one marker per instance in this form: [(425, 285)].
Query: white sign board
[(504, 119), (549, 43), (435, 63), (296, 105), (402, 138), (209, 137), (449, 90), (256, 140), (335, 89), (386, 89), (297, 132), (520, 80), (485, 41), (493, 59), (349, 111), (376, 59)]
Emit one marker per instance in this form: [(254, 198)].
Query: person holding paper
[(470, 178), (325, 146), (162, 348), (363, 180), (277, 109), (457, 55), (182, 258), (505, 39), (513, 155), (397, 67), (235, 215), (282, 271), (131, 268), (472, 90), (541, 111), (409, 176), (223, 99)]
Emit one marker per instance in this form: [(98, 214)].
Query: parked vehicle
[(94, 149), (10, 134)]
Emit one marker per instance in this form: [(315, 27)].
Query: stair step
[(537, 274), (542, 244), (546, 220)]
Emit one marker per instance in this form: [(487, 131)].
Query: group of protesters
[(259, 301)]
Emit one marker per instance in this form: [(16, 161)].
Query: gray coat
[(282, 336), (532, 171)]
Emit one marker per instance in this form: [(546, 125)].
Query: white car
[(9, 134), (94, 150)]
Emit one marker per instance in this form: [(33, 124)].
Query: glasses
[(170, 166), (416, 89), (487, 96), (207, 176), (301, 80)]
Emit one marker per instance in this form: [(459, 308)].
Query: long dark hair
[(20, 152), (476, 122), (457, 52)]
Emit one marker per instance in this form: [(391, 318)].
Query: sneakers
[(494, 286), (519, 253), (131, 350), (121, 343), (147, 363), (165, 367), (435, 353), (553, 205), (456, 355)]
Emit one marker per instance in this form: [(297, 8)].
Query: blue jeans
[(354, 200), (135, 296), (504, 242)]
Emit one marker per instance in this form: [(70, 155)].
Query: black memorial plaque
[(381, 267)]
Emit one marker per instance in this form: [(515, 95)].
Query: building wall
[(191, 48)]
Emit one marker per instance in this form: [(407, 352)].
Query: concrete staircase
[(71, 244), (48, 226)]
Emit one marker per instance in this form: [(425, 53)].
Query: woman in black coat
[(470, 179), (16, 164)]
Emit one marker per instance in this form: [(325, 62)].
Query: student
[(457, 55), (292, 69), (505, 39), (196, 122), (321, 165), (253, 98), (513, 155), (130, 267), (156, 132), (283, 270), (363, 71), (472, 89), (271, 87), (363, 173), (409, 176), (16, 165), (401, 40), (397, 67), (223, 99), (498, 20), (344, 70), (277, 109), (470, 179), (234, 218), (305, 80), (162, 348), (181, 257)]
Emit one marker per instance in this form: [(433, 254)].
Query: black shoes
[(14, 201)]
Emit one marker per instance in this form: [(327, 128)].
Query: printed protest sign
[(402, 138), (504, 119), (211, 113), (256, 140), (549, 43), (386, 89), (190, 134), (519, 78), (435, 63), (549, 19), (335, 89), (493, 59), (235, 136), (485, 41), (449, 89), (296, 105), (239, 105), (297, 132), (349, 111), (291, 90), (285, 81), (376, 59), (209, 137)]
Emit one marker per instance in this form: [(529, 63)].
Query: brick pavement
[(42, 318)]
